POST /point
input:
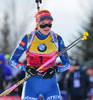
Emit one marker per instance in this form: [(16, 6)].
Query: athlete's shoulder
[(59, 36), (27, 34), (56, 34), (25, 37), (60, 40), (30, 34), (52, 32)]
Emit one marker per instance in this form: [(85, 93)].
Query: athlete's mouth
[(45, 30)]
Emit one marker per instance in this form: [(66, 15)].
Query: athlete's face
[(45, 27)]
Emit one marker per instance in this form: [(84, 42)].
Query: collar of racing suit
[(40, 35)]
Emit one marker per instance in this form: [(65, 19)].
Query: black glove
[(31, 70), (50, 72)]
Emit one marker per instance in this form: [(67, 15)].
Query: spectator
[(78, 83), (5, 68), (62, 81), (13, 70), (89, 71)]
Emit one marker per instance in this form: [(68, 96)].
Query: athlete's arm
[(14, 61), (64, 58)]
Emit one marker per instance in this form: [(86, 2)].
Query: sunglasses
[(46, 25), (45, 18)]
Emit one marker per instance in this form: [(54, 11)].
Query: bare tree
[(17, 16), (5, 32)]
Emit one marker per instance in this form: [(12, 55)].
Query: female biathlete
[(40, 45)]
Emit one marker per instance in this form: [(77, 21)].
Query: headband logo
[(43, 13)]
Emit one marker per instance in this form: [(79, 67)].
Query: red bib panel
[(38, 59)]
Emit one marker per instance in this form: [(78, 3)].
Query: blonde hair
[(38, 13)]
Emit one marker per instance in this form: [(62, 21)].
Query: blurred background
[(71, 19)]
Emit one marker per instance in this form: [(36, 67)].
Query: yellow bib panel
[(43, 46), (41, 51)]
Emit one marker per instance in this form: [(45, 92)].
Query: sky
[(69, 16)]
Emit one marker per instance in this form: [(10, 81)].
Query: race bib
[(76, 83)]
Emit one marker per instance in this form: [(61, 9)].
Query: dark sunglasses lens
[(42, 26), (46, 25), (49, 25), (44, 18)]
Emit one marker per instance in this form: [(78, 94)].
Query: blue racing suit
[(36, 85)]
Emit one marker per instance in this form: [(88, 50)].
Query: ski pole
[(81, 38), (14, 86)]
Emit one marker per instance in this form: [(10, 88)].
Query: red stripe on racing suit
[(38, 59)]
